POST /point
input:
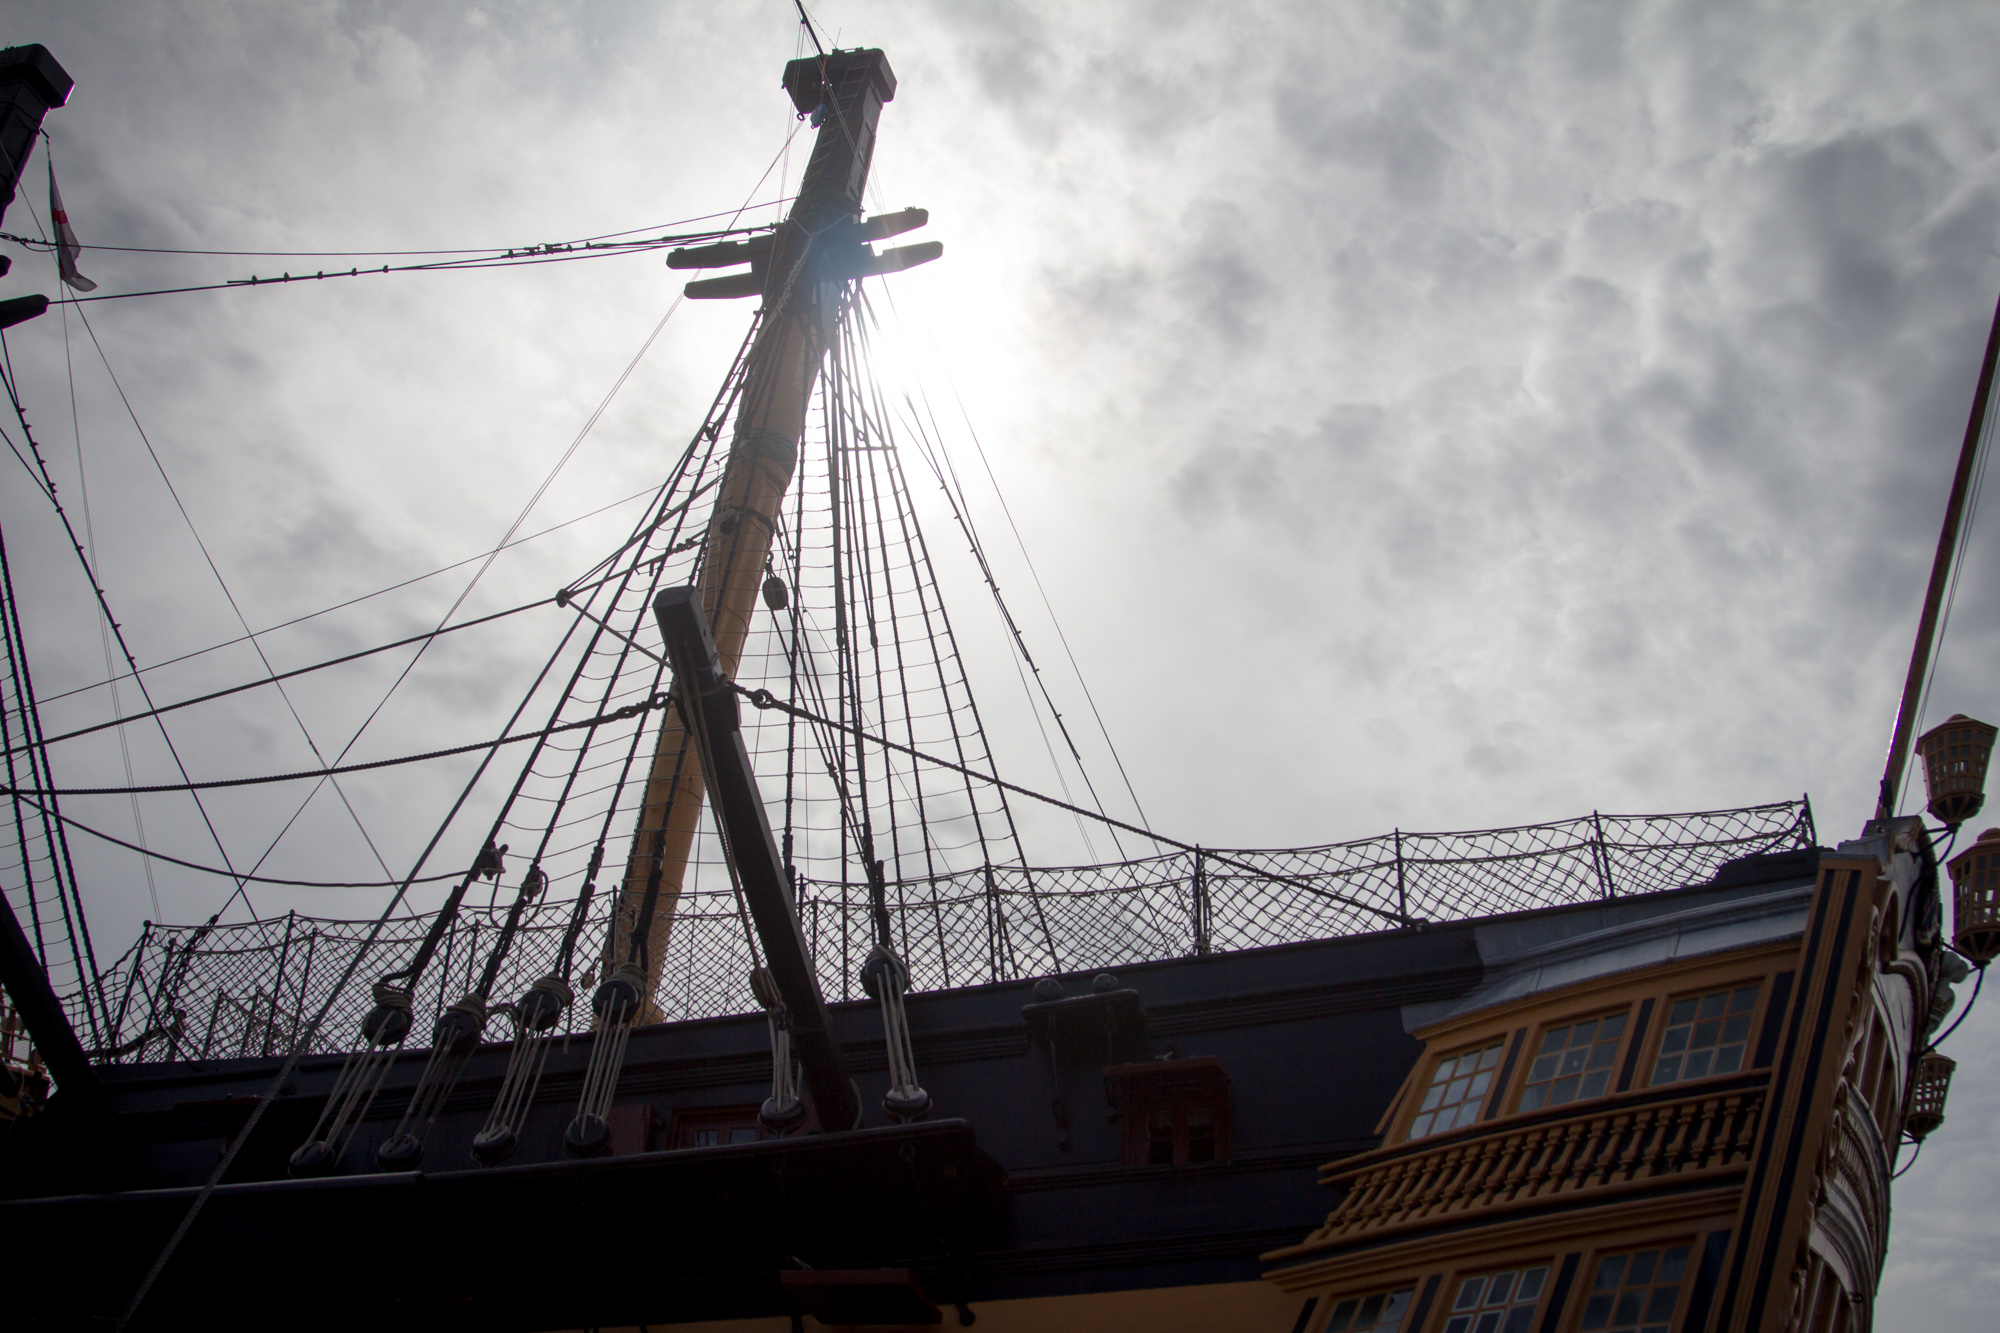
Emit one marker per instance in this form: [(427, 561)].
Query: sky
[(1422, 416)]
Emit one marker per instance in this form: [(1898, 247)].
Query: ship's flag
[(67, 246)]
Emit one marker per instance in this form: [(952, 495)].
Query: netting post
[(1806, 825), (214, 1015), (1402, 892), (1201, 914), (992, 924), (131, 980), (305, 980), (1600, 858), (278, 983)]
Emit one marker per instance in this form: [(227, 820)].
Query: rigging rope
[(425, 637), (764, 699), (353, 601), (35, 243), (160, 466), (103, 600), (524, 260), (102, 836), (619, 714)]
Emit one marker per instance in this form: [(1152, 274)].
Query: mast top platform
[(807, 78)]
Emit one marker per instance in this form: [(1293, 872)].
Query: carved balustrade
[(1607, 1149)]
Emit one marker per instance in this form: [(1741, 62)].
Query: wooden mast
[(798, 271)]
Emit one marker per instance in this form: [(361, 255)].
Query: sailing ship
[(768, 1019)]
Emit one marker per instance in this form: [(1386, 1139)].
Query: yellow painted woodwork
[(1251, 1307), (763, 452)]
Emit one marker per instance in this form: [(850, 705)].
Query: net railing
[(251, 988)]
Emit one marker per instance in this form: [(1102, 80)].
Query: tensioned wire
[(234, 606), (45, 244), (1984, 448), (506, 540)]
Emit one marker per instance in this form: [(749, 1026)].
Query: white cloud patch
[(1432, 415)]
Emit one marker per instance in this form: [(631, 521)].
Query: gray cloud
[(1530, 408)]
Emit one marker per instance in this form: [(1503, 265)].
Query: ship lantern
[(1927, 1095), (1955, 756), (1975, 880)]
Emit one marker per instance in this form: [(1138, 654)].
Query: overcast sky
[(1432, 416)]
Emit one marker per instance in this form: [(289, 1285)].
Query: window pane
[(1456, 1092), (1699, 1041), (1556, 1039), (1506, 1301), (1642, 1298), (1554, 1078), (1343, 1315)]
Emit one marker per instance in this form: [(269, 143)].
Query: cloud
[(1527, 409)]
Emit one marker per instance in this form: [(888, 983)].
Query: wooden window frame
[(1330, 1305), (1532, 1052), (1663, 1021), (688, 1120), (1492, 1041), (1579, 1294), (1176, 1087), (1446, 1308)]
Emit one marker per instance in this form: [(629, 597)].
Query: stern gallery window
[(1573, 1062), (1705, 1034), (1497, 1302), (1382, 1313), (1456, 1090), (1635, 1293)]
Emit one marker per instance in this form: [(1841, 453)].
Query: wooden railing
[(1606, 1150)]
